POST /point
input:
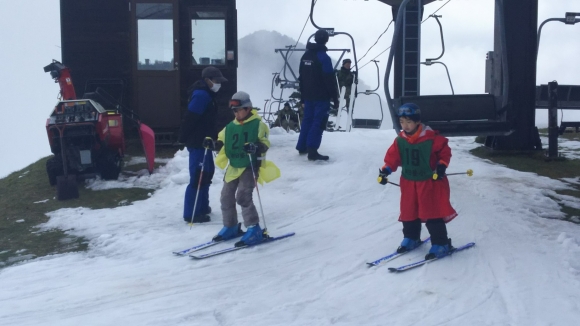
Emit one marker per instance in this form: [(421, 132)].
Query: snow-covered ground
[(524, 269)]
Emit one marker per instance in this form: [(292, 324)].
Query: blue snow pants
[(313, 124), (195, 164)]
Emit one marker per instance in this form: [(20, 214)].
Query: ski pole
[(258, 191), (384, 180), (198, 186), (469, 174)]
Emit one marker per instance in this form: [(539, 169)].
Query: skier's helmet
[(410, 110), (321, 36)]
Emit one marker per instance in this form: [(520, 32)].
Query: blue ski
[(208, 244), (230, 249), (200, 246), (394, 255), (423, 262)]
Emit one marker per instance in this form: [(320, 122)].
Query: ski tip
[(393, 270), (371, 265)]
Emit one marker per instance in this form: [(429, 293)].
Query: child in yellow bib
[(243, 144)]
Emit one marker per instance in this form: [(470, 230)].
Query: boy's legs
[(412, 230), (438, 231), (228, 203), (244, 198)]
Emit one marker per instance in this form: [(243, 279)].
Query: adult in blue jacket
[(200, 122), (318, 86)]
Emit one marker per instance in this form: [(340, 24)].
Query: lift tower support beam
[(521, 28)]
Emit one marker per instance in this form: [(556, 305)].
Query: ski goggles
[(236, 105), (408, 110), (238, 109)]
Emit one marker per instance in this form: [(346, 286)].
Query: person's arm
[(393, 157), (197, 106), (263, 141), (442, 150), (329, 75)]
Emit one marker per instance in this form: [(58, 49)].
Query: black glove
[(250, 148), (383, 174), (440, 171), (335, 104), (208, 143)]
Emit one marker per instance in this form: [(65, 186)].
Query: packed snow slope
[(524, 269)]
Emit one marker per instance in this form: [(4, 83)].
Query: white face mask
[(216, 87)]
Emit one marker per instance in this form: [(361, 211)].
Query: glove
[(383, 174), (440, 171), (208, 143), (250, 148), (335, 104)]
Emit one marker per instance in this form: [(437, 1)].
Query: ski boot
[(438, 251), (253, 235), (227, 233), (408, 245), (313, 155)]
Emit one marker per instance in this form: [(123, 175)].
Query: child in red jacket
[(422, 153)]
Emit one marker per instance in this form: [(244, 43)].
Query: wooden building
[(147, 53)]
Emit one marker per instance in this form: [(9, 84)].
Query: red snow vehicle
[(86, 135)]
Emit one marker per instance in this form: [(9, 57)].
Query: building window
[(155, 36), (208, 38)]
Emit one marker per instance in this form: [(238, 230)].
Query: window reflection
[(155, 36), (208, 33)]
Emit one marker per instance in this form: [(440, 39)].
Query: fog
[(30, 39)]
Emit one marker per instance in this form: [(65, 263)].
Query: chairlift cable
[(376, 41), (435, 11), (421, 23), (299, 36)]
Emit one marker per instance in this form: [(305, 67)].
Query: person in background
[(286, 118), (318, 87), (200, 122), (345, 79)]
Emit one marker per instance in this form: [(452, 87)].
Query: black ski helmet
[(321, 36)]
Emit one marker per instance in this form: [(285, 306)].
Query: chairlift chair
[(453, 115), (368, 123)]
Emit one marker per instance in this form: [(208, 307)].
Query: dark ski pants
[(239, 191), (436, 227), (195, 163), (313, 124)]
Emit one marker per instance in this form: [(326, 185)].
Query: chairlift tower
[(509, 123), (407, 80)]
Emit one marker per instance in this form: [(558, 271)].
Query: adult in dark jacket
[(200, 122), (317, 87)]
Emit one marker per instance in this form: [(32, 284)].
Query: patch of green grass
[(535, 161), (570, 134), (25, 198)]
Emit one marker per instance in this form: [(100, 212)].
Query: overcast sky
[(30, 39)]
